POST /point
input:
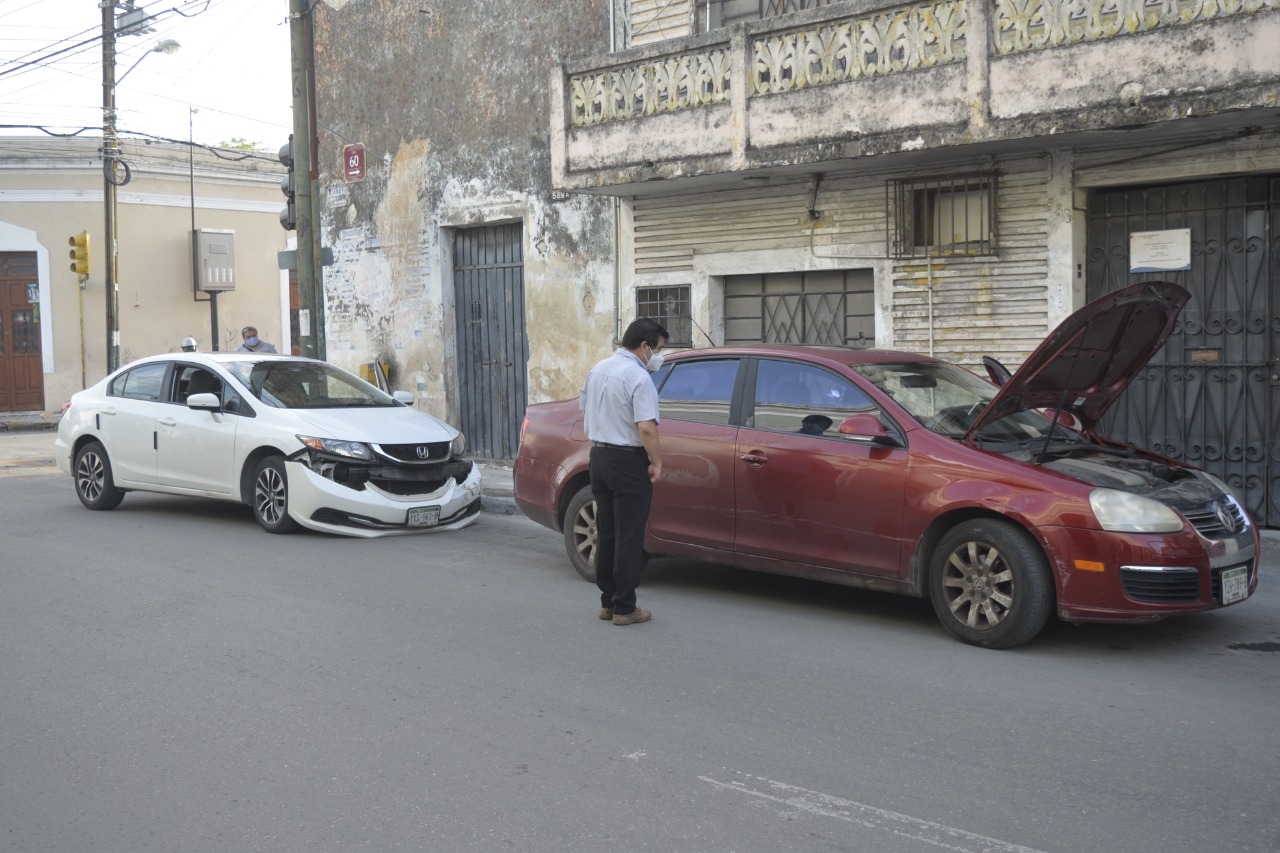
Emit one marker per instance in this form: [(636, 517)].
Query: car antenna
[(704, 331)]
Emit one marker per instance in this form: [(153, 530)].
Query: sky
[(233, 67)]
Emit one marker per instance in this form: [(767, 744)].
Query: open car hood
[(1088, 361)]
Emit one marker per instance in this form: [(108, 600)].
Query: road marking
[(825, 805)]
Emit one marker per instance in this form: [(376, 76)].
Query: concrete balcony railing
[(863, 78)]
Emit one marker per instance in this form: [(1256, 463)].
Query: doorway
[(493, 348), (1210, 396), (21, 369)]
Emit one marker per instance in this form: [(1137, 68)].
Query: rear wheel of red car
[(580, 533), (990, 584)]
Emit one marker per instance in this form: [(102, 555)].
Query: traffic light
[(79, 253), (289, 215)]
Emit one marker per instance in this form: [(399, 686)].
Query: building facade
[(945, 177), (53, 322)]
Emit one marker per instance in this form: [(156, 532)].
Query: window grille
[(939, 217), (670, 307)]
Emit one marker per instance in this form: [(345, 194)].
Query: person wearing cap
[(188, 344), (253, 343)]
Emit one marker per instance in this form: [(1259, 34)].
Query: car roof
[(808, 352), (220, 358)]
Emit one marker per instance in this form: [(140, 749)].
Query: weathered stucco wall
[(450, 100)]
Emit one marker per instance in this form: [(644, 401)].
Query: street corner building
[(951, 178)]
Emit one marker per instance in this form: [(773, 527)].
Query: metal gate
[(21, 368), (493, 349), (1210, 396), (829, 308)]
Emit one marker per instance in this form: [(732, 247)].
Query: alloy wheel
[(90, 476), (270, 496), (978, 584)]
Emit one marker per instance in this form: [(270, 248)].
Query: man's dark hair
[(646, 330)]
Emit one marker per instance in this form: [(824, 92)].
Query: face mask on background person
[(252, 340)]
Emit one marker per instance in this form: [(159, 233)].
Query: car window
[(699, 391), (287, 384), (141, 383), (795, 397), (189, 379)]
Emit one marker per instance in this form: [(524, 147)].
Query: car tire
[(271, 496), (95, 485), (990, 584), (580, 533)]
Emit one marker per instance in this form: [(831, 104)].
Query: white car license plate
[(1235, 584), (429, 516)]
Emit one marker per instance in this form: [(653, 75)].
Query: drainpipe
[(617, 204)]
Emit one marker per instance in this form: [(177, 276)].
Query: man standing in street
[(252, 343), (620, 409)]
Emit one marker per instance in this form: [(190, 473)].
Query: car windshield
[(947, 399), (307, 385)]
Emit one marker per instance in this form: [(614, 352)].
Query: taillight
[(524, 428)]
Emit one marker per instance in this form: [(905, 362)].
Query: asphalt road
[(173, 678)]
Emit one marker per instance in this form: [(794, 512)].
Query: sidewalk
[(26, 447)]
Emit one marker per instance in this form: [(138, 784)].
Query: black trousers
[(621, 486)]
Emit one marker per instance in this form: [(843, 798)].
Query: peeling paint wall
[(451, 101)]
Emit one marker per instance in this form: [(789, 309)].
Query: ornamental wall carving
[(1020, 26)]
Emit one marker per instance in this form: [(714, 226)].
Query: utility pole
[(306, 180), (110, 180)]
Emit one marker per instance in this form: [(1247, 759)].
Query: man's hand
[(649, 436)]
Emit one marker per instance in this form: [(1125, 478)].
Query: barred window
[(670, 307), (938, 217)]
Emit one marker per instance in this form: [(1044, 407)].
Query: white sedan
[(298, 440)]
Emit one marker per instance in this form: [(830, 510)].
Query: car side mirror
[(867, 428), (204, 402), (403, 397)]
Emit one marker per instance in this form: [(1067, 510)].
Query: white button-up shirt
[(617, 395)]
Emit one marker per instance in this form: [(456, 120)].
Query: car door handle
[(756, 459), (168, 422)]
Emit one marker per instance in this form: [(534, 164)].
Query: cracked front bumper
[(319, 503)]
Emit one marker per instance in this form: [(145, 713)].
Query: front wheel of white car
[(271, 496)]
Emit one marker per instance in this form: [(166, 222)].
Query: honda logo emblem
[(423, 451)]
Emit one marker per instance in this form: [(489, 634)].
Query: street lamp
[(111, 168)]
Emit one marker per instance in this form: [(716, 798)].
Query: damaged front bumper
[(366, 509)]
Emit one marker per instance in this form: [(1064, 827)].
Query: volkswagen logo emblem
[(424, 452), (1227, 519)]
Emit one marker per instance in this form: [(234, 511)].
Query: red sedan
[(901, 472)]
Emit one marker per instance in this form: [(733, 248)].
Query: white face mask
[(654, 364)]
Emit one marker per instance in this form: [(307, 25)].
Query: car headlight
[(459, 446), (1123, 512), (335, 447)]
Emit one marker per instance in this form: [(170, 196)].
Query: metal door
[(493, 349), (1209, 396), (21, 370)]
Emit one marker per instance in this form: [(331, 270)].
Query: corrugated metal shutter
[(995, 305), (650, 21)]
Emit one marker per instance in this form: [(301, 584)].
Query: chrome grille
[(1163, 587), (436, 451), (1208, 523)]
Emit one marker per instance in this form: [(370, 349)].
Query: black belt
[(631, 447)]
